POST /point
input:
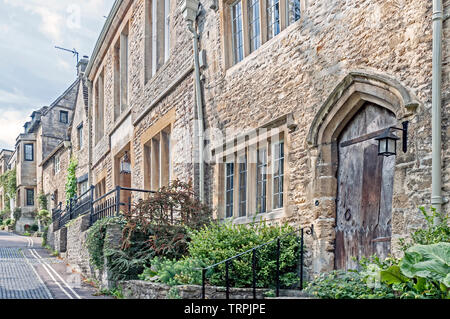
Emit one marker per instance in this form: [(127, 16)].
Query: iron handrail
[(309, 230)]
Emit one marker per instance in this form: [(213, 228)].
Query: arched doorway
[(361, 103), (364, 191)]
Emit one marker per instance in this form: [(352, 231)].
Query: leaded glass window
[(254, 24), (273, 18), (261, 181), (237, 31), (229, 177), (278, 175)]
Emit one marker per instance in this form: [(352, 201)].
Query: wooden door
[(365, 186)]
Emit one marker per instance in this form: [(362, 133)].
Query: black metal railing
[(254, 251), (107, 205)]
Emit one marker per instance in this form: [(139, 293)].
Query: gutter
[(436, 118)]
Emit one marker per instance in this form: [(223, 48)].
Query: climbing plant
[(8, 182), (71, 184)]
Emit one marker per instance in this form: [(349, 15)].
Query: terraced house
[(311, 112)]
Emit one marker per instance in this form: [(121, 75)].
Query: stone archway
[(351, 94)]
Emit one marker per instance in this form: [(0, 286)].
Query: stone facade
[(5, 156), (306, 83)]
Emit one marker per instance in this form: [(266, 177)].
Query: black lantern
[(125, 164), (387, 141)]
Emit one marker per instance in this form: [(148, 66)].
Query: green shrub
[(217, 242), (173, 272), (340, 284), (424, 272), (34, 228), (433, 232), (45, 236), (96, 239)]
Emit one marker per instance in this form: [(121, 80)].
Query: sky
[(33, 72)]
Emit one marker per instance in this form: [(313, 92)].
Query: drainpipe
[(199, 104), (436, 119)]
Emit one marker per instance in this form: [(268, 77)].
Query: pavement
[(29, 271)]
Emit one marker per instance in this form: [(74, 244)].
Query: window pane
[(293, 11), (229, 177), (261, 181), (30, 197), (236, 26), (253, 23), (273, 18), (278, 175), (243, 186), (29, 152)]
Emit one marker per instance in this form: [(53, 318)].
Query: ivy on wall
[(8, 182), (71, 184)]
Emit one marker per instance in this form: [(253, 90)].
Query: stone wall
[(70, 241), (139, 289)]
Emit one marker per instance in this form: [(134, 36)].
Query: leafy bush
[(162, 220), (157, 226), (95, 240), (34, 228), (433, 232), (44, 236), (173, 272), (44, 217), (424, 272), (217, 242), (340, 284)]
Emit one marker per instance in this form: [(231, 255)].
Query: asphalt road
[(28, 271)]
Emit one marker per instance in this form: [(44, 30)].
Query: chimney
[(81, 67)]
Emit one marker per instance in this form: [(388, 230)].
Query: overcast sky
[(33, 72)]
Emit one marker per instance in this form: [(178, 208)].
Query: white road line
[(37, 275), (51, 276), (57, 274)]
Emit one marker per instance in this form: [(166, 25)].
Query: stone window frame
[(64, 119), (99, 106), (57, 164), (80, 136), (249, 146), (152, 49), (28, 159), (121, 71), (156, 144), (226, 17), (29, 200)]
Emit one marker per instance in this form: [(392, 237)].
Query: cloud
[(11, 124)]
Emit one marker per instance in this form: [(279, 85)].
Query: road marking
[(37, 275), (56, 273), (51, 276)]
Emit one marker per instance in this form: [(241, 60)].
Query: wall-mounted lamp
[(387, 141), (125, 164)]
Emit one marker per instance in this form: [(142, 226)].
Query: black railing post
[(227, 281), (129, 204), (117, 200), (278, 267), (91, 204), (254, 272), (301, 259), (203, 283)]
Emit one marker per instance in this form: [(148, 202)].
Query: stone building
[(5, 156), (295, 93), (74, 144), (46, 131), (287, 98)]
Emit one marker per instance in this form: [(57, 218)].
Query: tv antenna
[(74, 51)]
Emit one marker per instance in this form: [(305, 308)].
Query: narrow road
[(28, 271)]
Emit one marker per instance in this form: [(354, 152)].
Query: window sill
[(232, 68), (275, 214)]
